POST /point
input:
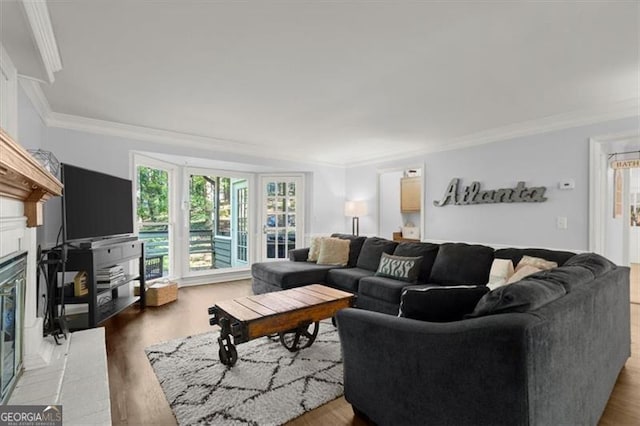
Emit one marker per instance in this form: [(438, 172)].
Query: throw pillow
[(523, 272), (400, 268), (524, 296), (501, 271), (440, 303), (459, 263), (314, 249), (538, 262), (333, 251)]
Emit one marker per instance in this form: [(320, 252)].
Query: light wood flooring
[(137, 399)]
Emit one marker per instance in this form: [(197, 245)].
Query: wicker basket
[(161, 293)]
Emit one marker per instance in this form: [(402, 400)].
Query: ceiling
[(337, 82)]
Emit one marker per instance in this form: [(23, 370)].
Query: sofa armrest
[(299, 255), (403, 371)]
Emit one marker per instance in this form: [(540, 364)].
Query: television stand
[(104, 300)]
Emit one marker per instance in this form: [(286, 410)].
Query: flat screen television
[(95, 205)]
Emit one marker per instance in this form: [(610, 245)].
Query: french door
[(240, 223), (154, 215), (282, 215)]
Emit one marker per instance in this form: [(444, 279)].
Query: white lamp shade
[(355, 208)]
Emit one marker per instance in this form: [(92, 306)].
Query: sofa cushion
[(347, 279), (524, 296), (354, 248), (459, 263), (515, 254), (372, 250), (597, 264), (333, 251), (382, 288), (567, 276), (440, 303), (428, 251), (399, 267), (287, 274)]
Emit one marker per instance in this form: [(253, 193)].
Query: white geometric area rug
[(268, 385)]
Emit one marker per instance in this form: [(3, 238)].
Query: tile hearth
[(76, 377)]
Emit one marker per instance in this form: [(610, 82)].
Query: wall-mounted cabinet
[(410, 194)]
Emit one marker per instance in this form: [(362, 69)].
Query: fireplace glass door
[(12, 283)]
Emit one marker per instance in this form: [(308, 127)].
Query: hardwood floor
[(137, 399)]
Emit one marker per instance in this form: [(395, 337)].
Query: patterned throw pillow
[(398, 267), (334, 251)]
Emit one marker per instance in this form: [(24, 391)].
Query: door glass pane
[(218, 222), (152, 208), (280, 220)]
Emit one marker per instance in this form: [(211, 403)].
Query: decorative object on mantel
[(473, 195), (355, 209), (23, 178), (47, 159)]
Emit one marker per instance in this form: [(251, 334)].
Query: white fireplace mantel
[(23, 178), (24, 186)]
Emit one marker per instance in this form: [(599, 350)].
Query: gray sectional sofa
[(546, 350)]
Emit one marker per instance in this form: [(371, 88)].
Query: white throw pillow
[(537, 262), (314, 249), (501, 271), (523, 272)]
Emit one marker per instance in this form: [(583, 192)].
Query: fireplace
[(12, 286)]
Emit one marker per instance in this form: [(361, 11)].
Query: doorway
[(614, 178)]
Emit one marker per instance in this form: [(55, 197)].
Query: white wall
[(390, 217), (539, 160), (112, 155)]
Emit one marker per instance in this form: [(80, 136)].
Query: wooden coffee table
[(289, 313)]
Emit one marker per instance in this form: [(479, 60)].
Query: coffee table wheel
[(299, 338), (228, 354)]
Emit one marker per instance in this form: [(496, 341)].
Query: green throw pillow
[(399, 268)]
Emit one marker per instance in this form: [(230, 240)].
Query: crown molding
[(168, 137), (613, 111), (42, 30)]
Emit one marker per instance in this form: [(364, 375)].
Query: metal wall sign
[(625, 164), (473, 195)]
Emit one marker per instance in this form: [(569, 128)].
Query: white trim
[(34, 92), (598, 187), (168, 137), (614, 111), (219, 277), (9, 98), (500, 246), (40, 23), (597, 182)]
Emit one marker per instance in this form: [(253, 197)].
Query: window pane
[(152, 195)]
